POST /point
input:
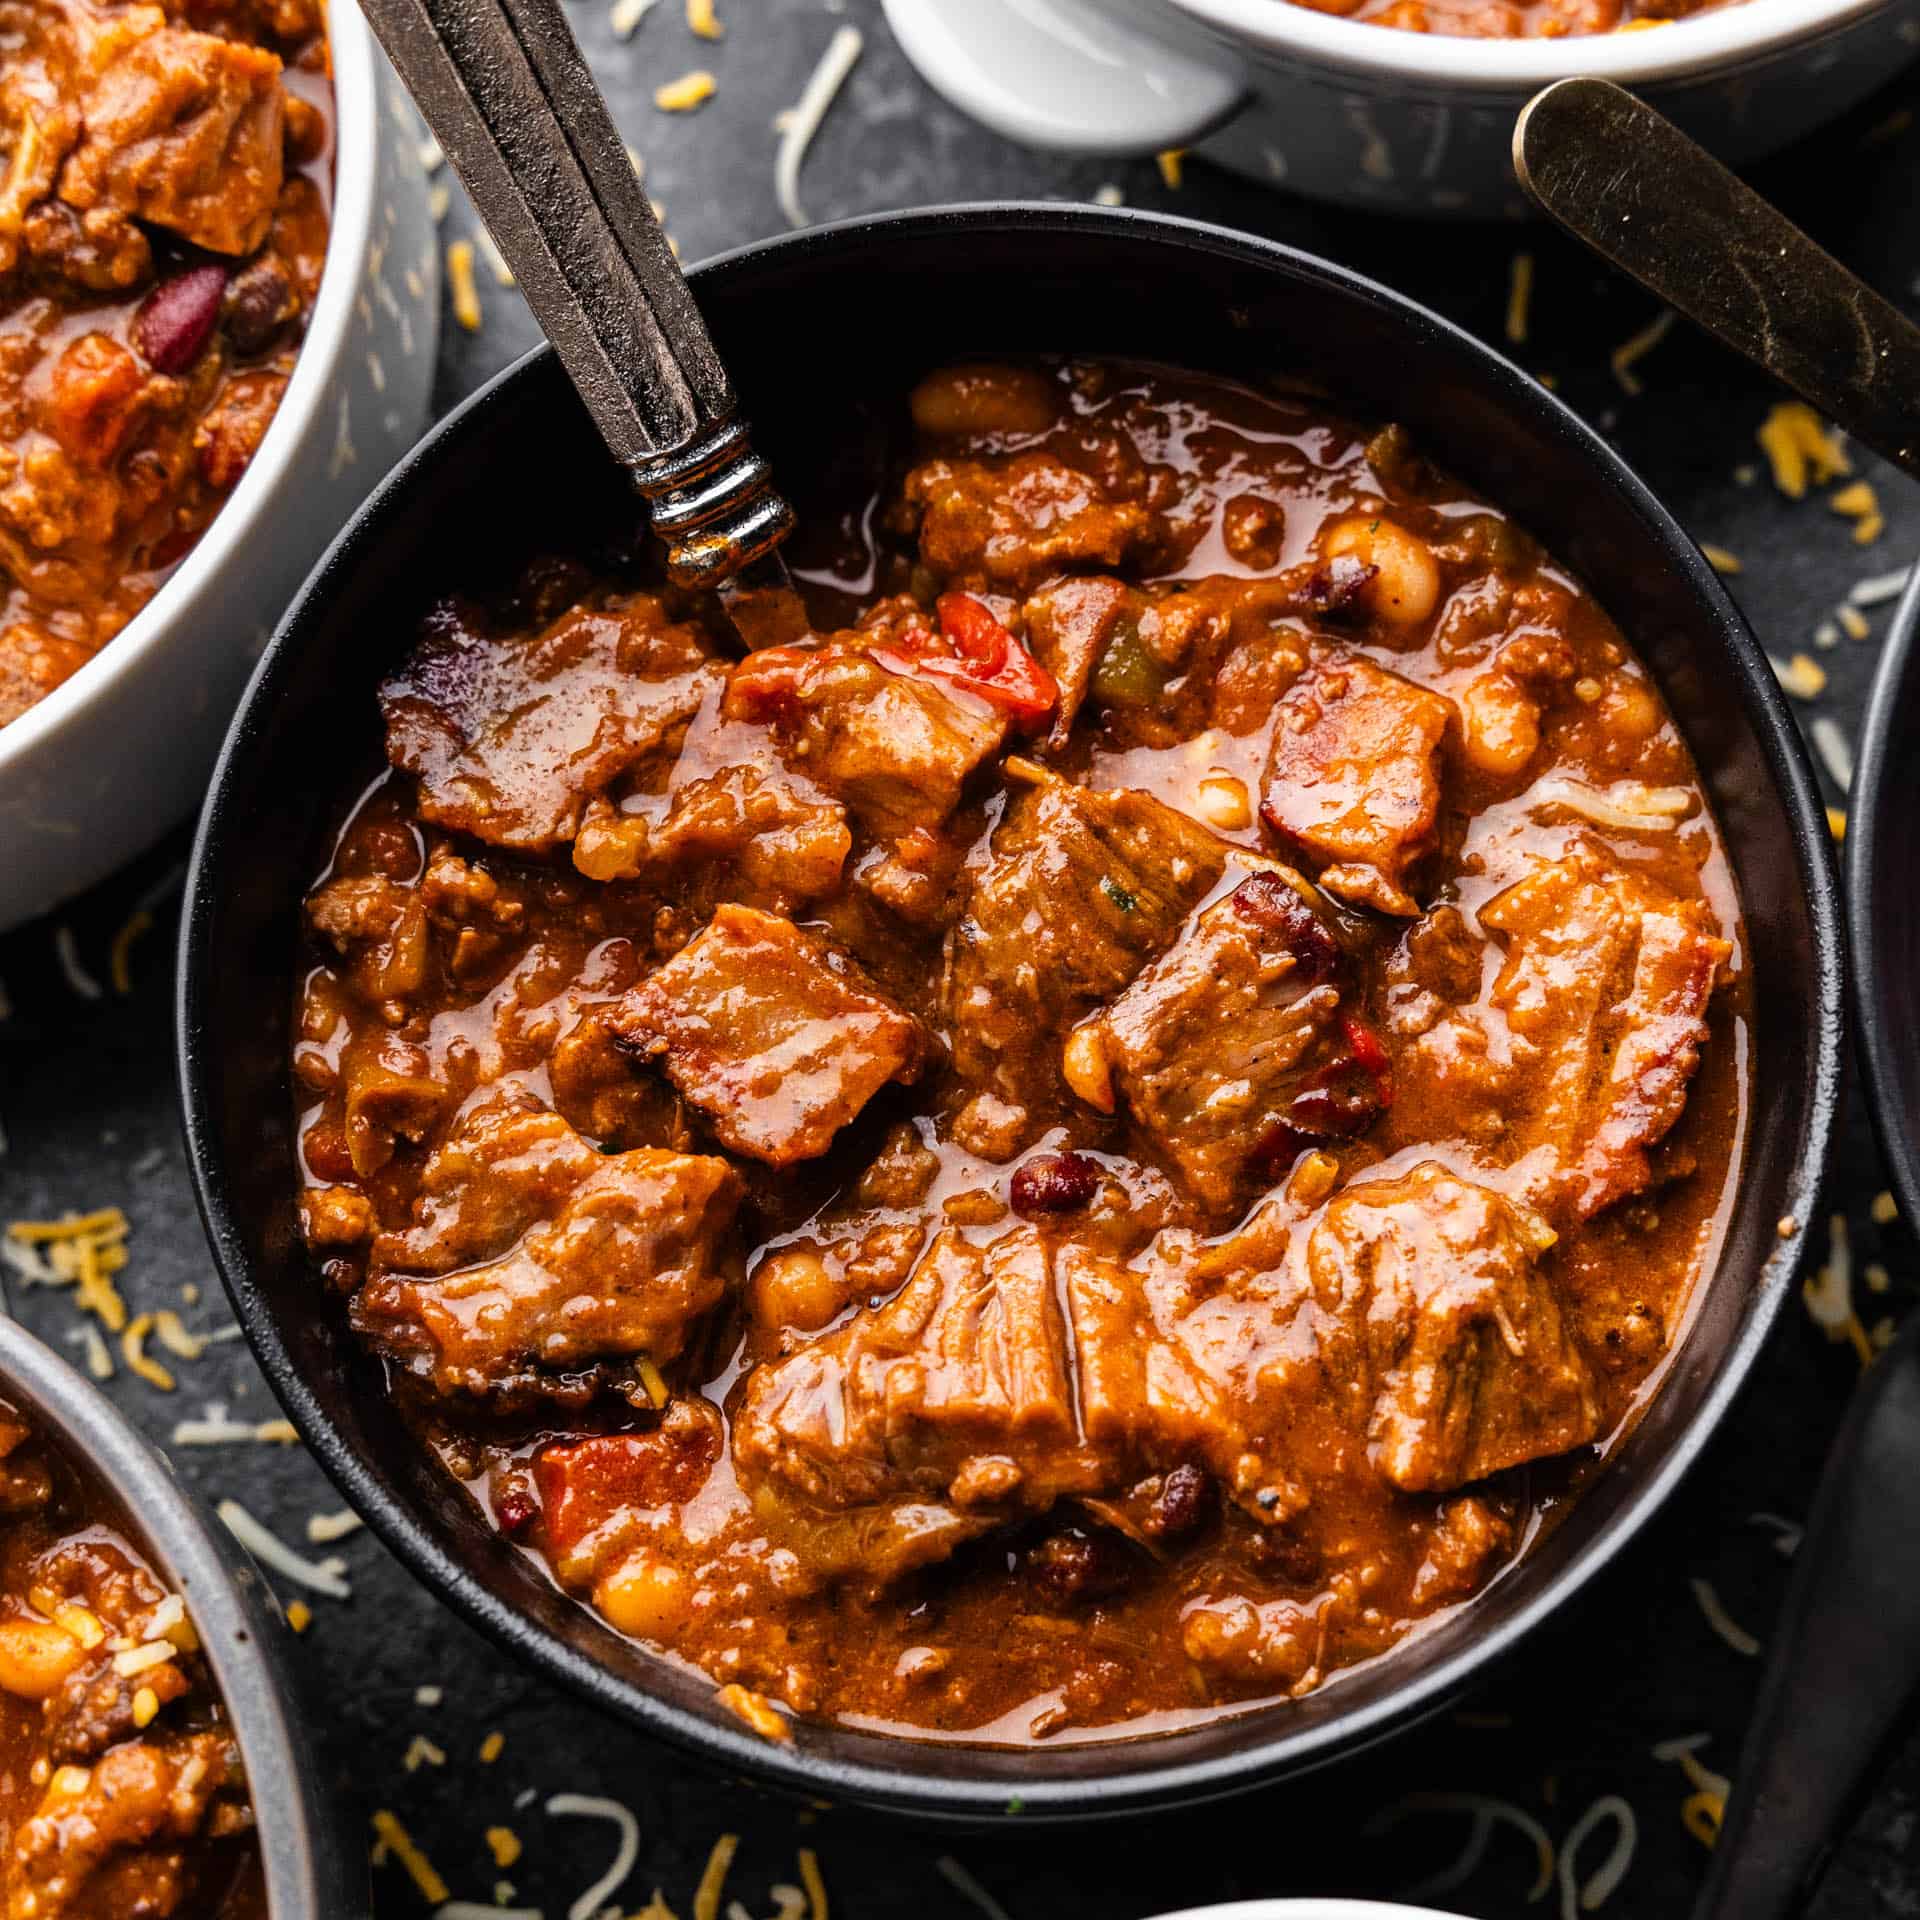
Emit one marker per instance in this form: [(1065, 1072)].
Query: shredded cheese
[(805, 118), (432, 155), (504, 1844), (492, 1747), (421, 1752), (1802, 676), (82, 1251), (119, 955), (702, 20), (496, 260), (1878, 1279), (652, 1380), (1830, 743), (399, 1842), (299, 1616), (1717, 1617), (133, 1350), (1800, 446), (1827, 634), (1719, 558), (466, 296), (585, 1806), (1629, 353), (1172, 162), (99, 1360), (1703, 1814), (1856, 500), (1885, 1209), (1853, 622), (217, 1430), (146, 1707), (756, 1710), (83, 984), (624, 16), (1837, 822), (816, 1886), (325, 1528), (1879, 588), (137, 1660), (320, 1576), (713, 1878), (1575, 1898), (1519, 298), (691, 90), (1109, 196), (439, 199)]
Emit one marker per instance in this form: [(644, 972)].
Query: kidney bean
[(255, 308), (179, 317), (1054, 1183), (1266, 901), (1180, 1505)]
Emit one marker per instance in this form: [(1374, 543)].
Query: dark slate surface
[(87, 1099)]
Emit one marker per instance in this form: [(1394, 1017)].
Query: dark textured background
[(87, 1100)]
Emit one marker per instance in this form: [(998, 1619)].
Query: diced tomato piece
[(766, 685), (583, 1483), (992, 663)]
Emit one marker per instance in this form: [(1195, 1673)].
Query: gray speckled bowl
[(310, 1873)]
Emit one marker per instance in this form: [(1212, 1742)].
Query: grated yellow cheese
[(466, 296), (119, 955), (146, 1706), (1172, 163), (1885, 1209), (133, 1349), (713, 1878), (1702, 1814), (299, 1615), (1719, 559), (174, 1336), (703, 20), (1837, 822), (816, 1886), (1800, 446), (1878, 1279), (420, 1870), (505, 1844), (691, 90), (1629, 353), (1868, 528), (421, 1752), (1853, 621), (492, 1747), (1855, 500), (756, 1710), (1519, 298), (651, 1379), (1802, 676), (1828, 1293)]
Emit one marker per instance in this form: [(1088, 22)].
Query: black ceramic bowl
[(862, 309), (307, 1870), (1883, 901)]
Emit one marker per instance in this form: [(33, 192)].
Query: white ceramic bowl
[(1376, 116), (1309, 1909), (119, 752)]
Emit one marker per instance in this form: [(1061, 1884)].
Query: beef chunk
[(377, 926), (1354, 779), (1007, 523), (1069, 625), (512, 739), (776, 1037), (534, 1264), (1605, 991), (955, 1390), (1079, 890), (896, 747), (182, 130), (1472, 1364), (1230, 1047), (769, 840)]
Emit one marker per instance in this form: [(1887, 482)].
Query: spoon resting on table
[(505, 89), (1845, 1663)]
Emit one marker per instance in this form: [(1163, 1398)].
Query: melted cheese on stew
[(1098, 1138)]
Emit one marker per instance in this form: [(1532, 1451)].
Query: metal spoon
[(507, 93), (1846, 1656), (1628, 182)]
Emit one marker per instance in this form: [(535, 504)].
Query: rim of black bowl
[(1883, 916), (951, 1793), (298, 1859)]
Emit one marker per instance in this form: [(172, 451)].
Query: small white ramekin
[(1376, 116), (116, 754)]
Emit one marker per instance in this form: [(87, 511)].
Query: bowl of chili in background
[(1331, 99), (1193, 296), (117, 746), (120, 1534)]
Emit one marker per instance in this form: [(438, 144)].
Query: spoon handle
[(1846, 1656), (507, 93), (1619, 176)]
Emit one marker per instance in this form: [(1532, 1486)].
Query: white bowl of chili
[(1382, 116), (119, 749)]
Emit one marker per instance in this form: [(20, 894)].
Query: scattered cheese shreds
[(816, 1886), (217, 1430), (1837, 822), (399, 1842), (1109, 196), (1828, 1293), (299, 1615), (325, 1528), (957, 1877), (1830, 743), (804, 119), (466, 296), (421, 1752), (174, 1335), (492, 1747), (624, 16), (1802, 676), (1885, 1209), (496, 260), (1172, 162), (1800, 446), (1577, 1898), (1868, 528), (691, 90), (1878, 1279), (82, 1251), (321, 1576), (120, 954), (1717, 1617), (1853, 622), (504, 1844), (1519, 299), (99, 1360), (1719, 559), (83, 984), (592, 1807), (1855, 501), (713, 1878), (1629, 353), (1879, 588), (702, 19), (1702, 1814), (133, 1349)]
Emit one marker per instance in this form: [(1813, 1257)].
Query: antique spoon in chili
[(508, 95), (1626, 181)]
